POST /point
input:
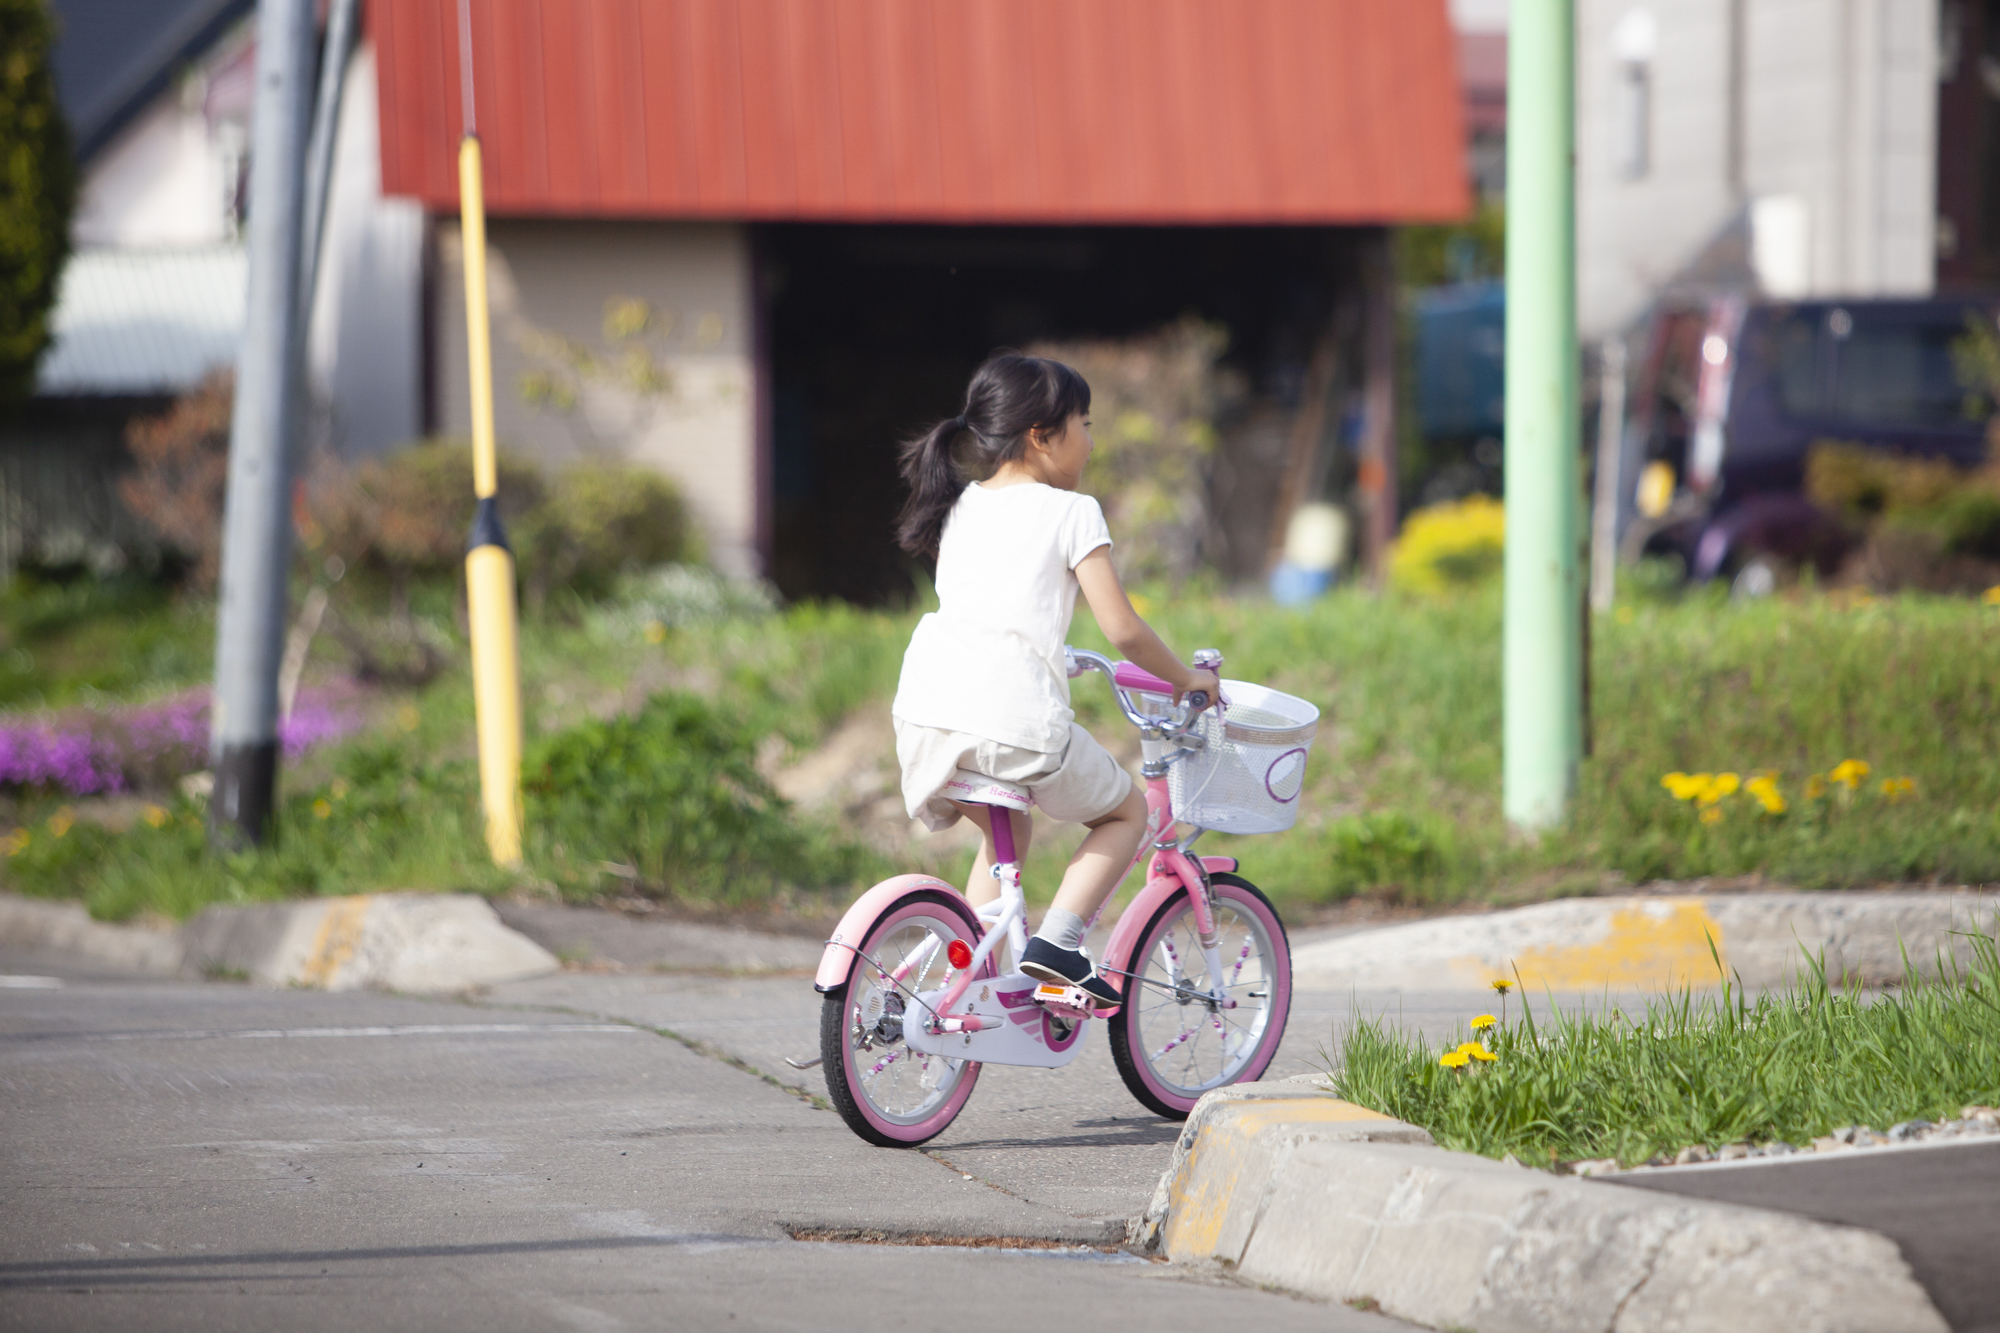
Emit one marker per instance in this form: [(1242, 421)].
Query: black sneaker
[(1069, 967)]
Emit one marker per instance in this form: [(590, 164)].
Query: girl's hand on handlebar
[(1206, 680)]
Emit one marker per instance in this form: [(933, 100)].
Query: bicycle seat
[(978, 789)]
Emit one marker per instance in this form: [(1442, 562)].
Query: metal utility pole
[(319, 152), (257, 517), (489, 563), (1543, 651), (1610, 457)]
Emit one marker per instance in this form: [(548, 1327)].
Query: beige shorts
[(1077, 784)]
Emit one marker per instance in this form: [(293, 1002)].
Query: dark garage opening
[(871, 332)]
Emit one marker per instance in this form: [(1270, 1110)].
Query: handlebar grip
[(1199, 698)]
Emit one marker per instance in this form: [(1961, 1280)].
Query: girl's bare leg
[(981, 888), (1104, 857)]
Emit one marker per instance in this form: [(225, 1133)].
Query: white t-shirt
[(989, 660)]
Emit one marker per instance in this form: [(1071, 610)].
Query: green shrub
[(670, 795), (37, 192), (407, 514), (1380, 849), (597, 521)]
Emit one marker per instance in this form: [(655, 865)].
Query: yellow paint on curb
[(1203, 1188), (338, 936), (1661, 943), (1254, 1114)]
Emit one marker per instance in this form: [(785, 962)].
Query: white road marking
[(406, 1030)]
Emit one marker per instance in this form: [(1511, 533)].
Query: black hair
[(1009, 396)]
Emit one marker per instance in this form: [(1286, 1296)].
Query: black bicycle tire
[(833, 1027)]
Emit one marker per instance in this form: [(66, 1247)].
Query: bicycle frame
[(1163, 740)]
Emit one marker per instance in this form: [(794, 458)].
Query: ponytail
[(1009, 396)]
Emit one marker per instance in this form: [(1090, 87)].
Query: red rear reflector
[(960, 954)]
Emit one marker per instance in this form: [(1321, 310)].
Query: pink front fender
[(837, 963), (1125, 935)]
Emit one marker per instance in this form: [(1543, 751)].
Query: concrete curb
[(1293, 1188), (1655, 941), (414, 942), (46, 927)]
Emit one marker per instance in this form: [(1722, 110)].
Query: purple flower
[(149, 745)]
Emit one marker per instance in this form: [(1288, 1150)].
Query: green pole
[(1543, 666)]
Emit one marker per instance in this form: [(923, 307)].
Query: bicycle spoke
[(1201, 1046)]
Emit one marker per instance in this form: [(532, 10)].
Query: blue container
[(1461, 342), (1295, 585)]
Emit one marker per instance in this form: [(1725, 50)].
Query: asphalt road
[(1939, 1203), (607, 1151), (217, 1156)]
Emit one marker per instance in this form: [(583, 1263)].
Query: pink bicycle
[(917, 998)]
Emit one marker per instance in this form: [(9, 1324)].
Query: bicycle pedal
[(1068, 1001)]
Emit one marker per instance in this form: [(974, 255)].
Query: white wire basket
[(1248, 777)]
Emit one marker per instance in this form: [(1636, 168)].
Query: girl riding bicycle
[(984, 687)]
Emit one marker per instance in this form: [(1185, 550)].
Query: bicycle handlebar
[(1080, 660)]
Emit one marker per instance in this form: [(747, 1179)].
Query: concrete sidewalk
[(1659, 941)]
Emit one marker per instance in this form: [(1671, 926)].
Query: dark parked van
[(1731, 397)]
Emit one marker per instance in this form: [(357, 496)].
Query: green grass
[(1713, 1070), (90, 640), (1404, 790), (1403, 793)]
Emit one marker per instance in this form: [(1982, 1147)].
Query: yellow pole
[(489, 564)]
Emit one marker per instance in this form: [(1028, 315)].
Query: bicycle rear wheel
[(887, 1093), (1170, 1046)]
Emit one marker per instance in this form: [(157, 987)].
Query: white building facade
[(1792, 143)]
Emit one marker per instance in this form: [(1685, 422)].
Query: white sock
[(1062, 929)]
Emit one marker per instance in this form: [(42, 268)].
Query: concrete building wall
[(1835, 116), (630, 340), (364, 350)]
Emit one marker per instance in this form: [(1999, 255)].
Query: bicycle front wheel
[(1170, 1044), (886, 1092)]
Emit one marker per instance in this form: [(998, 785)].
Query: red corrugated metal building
[(748, 170)]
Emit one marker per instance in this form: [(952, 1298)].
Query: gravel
[(1972, 1122)]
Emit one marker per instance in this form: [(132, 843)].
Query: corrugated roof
[(144, 321), (1247, 111)]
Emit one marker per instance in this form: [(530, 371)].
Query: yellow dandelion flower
[(654, 632), (1765, 788), (17, 841), (1895, 789), (1992, 596), (1849, 772), (322, 808), (1481, 1053), (1503, 986), (62, 821), (1685, 787), (1719, 786), (1712, 815), (1484, 1021), (155, 816), (1454, 1059)]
